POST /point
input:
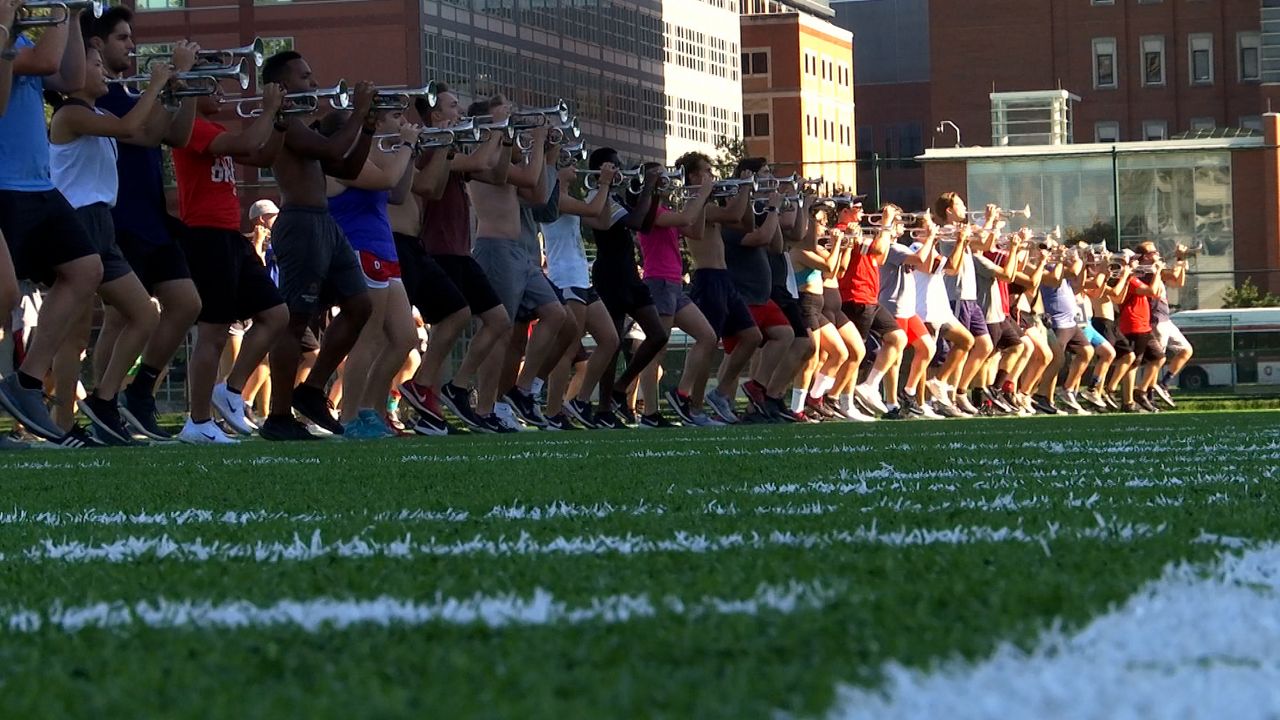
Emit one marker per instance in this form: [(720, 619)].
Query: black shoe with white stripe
[(77, 439)]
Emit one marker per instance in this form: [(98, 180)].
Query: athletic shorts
[(768, 315), (713, 291), (1107, 328), (470, 280), (668, 296), (831, 304), (971, 316), (378, 272), (913, 327), (427, 285), (623, 295), (1145, 347), (581, 295), (230, 277), (811, 309), (790, 307), (42, 232), (96, 219), (514, 274), (1071, 339), (1170, 337), (870, 319), (318, 267), (1004, 334), (1093, 337)]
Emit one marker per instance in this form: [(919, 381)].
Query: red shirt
[(861, 282), (446, 223), (1135, 313), (206, 183)]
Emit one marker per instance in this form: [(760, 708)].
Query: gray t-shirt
[(897, 285), (749, 267), (988, 288)]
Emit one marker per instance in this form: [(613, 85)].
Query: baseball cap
[(262, 207)]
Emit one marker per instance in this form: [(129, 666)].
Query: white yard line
[(1192, 644), (495, 611)]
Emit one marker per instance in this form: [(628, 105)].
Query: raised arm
[(335, 149), (598, 204), (691, 214), (45, 59), (8, 8), (432, 176), (73, 121), (531, 169), (255, 144)]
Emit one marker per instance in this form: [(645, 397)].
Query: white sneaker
[(929, 412), (701, 420), (507, 415), (205, 433), (230, 407), (871, 398), (722, 406), (940, 391), (857, 415)]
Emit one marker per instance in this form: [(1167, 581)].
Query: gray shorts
[(318, 268), (669, 297), (515, 274), (96, 219)]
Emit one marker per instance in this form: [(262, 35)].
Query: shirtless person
[(317, 264), (713, 290)]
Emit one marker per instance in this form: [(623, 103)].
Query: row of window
[(827, 69), (1108, 131), (1153, 62), (694, 50), (828, 130)]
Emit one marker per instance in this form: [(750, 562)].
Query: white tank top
[(84, 170), (566, 253)]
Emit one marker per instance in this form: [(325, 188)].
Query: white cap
[(262, 207)]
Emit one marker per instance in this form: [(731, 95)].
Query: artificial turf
[(915, 541)]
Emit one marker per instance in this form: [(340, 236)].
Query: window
[(866, 141), (1248, 50), (755, 125), (1104, 63), (160, 4), (1155, 130), (1200, 48), (1153, 61), (1103, 2), (1251, 122), (1106, 132), (755, 63), (1203, 123)]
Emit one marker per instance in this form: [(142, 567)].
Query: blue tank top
[(805, 276), (24, 143), (362, 215)]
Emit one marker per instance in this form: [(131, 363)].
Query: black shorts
[(811, 310), (425, 282), (318, 267), (870, 319), (1145, 347), (581, 295), (791, 308), (716, 296), (1107, 329), (42, 232), (230, 277), (469, 278), (623, 295), (96, 219), (1071, 340), (1004, 334)]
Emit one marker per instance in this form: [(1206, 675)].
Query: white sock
[(822, 384), (536, 389), (873, 378), (797, 399), (911, 392)]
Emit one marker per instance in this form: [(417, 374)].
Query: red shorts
[(913, 327), (768, 315), (378, 273)]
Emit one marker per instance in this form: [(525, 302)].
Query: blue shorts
[(1093, 336)]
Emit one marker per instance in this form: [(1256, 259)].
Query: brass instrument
[(60, 12), (254, 52), (429, 139), (394, 98), (299, 103), (557, 114)]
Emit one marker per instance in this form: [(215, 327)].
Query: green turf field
[(728, 573)]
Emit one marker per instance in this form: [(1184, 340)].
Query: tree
[(1248, 295), (729, 152)]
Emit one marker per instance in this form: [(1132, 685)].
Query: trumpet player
[(949, 209), (1058, 293), (83, 148), (860, 291), (1167, 335), (318, 267), (1135, 322), (144, 229), (45, 241), (233, 283)]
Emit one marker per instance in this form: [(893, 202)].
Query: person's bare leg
[(369, 344), (649, 378), (544, 346), (559, 379), (494, 327), (698, 359), (441, 340), (600, 325), (179, 308), (202, 372), (400, 339), (255, 345), (66, 371), (72, 291)]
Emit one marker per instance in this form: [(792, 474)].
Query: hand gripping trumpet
[(299, 103), (254, 52), (429, 139)]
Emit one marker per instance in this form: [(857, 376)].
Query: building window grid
[(1200, 59), (1104, 63), (1248, 56), (1153, 65)]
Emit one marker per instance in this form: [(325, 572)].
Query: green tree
[(1248, 295), (729, 152)]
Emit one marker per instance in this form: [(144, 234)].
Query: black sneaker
[(1144, 402), (680, 406), (608, 420), (1043, 405), (526, 407), (458, 401), (27, 406), (655, 421), (430, 425), (996, 403), (284, 429), (312, 404), (625, 413), (107, 425), (1132, 408), (909, 406), (581, 411), (1109, 400), (491, 423), (77, 439), (894, 413), (1162, 392), (138, 408), (560, 422)]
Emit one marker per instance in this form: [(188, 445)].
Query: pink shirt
[(661, 248)]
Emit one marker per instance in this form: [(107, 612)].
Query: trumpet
[(573, 154), (300, 103), (60, 12), (1184, 251), (487, 125), (254, 52), (570, 129), (719, 188), (591, 178), (772, 182), (402, 98), (429, 139), (537, 117), (760, 204), (196, 83), (666, 181)]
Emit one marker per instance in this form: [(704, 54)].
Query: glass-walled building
[(1180, 191)]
